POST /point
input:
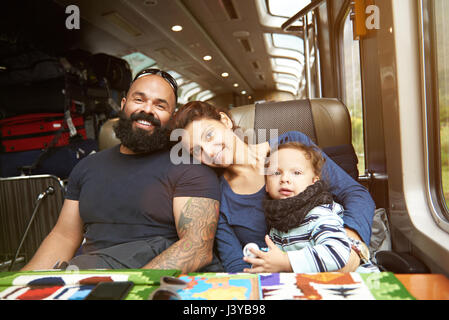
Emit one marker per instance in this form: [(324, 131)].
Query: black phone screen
[(110, 290)]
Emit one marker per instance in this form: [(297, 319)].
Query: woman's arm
[(358, 204), (229, 247)]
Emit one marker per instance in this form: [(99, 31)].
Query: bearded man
[(130, 206)]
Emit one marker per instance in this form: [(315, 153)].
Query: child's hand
[(275, 260)]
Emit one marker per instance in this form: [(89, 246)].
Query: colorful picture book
[(333, 286), (76, 285), (290, 286), (220, 286)]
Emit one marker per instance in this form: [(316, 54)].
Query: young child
[(306, 228)]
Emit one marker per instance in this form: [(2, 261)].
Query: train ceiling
[(224, 45)]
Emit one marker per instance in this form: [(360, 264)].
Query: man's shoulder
[(193, 169), (92, 162), (186, 164), (193, 180), (104, 153)]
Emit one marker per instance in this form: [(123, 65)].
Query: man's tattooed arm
[(196, 223)]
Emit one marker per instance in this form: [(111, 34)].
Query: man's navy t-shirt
[(124, 198)]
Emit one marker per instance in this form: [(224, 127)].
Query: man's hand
[(275, 260), (196, 223)]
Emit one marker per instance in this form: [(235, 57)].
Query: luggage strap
[(69, 121), (27, 170)]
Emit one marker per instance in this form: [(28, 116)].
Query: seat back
[(18, 196), (106, 137), (326, 121)]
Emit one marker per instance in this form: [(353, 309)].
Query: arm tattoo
[(196, 228)]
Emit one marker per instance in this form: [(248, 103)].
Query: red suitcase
[(38, 131)]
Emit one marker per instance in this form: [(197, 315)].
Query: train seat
[(106, 136), (326, 121), (29, 208)]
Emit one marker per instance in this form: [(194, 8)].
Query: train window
[(442, 58), (180, 80), (288, 70), (288, 80), (352, 83), (273, 13), (285, 8), (138, 61), (285, 71), (288, 65), (187, 90), (205, 95), (287, 41)]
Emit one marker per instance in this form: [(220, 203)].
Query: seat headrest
[(106, 137), (243, 118), (326, 121), (332, 122), (286, 116)]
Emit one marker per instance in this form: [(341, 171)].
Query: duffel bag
[(115, 70), (39, 131), (52, 96), (29, 67)]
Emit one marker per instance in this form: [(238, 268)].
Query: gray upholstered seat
[(106, 137), (325, 121)]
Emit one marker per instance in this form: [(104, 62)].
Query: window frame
[(268, 10), (431, 113), (341, 83), (294, 56)]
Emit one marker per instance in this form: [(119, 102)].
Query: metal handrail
[(311, 6)]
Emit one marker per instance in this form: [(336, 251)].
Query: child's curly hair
[(311, 153)]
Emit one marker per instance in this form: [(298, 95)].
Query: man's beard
[(139, 140)]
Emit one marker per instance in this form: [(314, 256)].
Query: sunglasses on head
[(168, 289), (165, 75)]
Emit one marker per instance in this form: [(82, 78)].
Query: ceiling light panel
[(122, 23), (176, 28)]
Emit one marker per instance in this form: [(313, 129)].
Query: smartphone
[(110, 291)]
